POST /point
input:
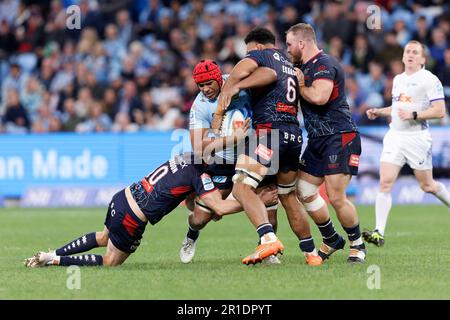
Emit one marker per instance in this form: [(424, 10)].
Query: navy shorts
[(125, 228), (338, 153), (222, 175), (276, 146)]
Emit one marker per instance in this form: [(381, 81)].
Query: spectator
[(69, 117), (122, 123), (97, 121), (16, 118), (129, 101)]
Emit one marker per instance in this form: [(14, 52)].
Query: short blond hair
[(424, 49), (304, 30)]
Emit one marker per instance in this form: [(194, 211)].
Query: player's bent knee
[(306, 190), (315, 204), (247, 178)]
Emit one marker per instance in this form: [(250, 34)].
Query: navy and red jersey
[(277, 102), (334, 116), (168, 185)]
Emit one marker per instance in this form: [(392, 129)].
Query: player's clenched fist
[(373, 113)]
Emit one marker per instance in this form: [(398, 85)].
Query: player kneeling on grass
[(148, 200)]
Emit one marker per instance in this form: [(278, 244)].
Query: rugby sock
[(192, 234), (266, 233), (307, 245), (81, 260), (383, 204), (442, 194), (354, 235), (82, 244), (328, 231)]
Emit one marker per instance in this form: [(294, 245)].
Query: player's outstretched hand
[(372, 113), (269, 195), (404, 114), (240, 130), (226, 96), (300, 77)]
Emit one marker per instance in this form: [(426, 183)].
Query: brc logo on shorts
[(354, 160), (264, 152)]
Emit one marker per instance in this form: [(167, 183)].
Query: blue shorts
[(338, 153), (125, 228), (276, 146)]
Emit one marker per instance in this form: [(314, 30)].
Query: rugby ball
[(232, 118)]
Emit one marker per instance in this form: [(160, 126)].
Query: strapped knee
[(246, 177), (286, 188), (307, 190)]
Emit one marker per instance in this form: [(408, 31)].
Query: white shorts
[(411, 148)]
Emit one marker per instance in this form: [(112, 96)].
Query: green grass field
[(414, 264)]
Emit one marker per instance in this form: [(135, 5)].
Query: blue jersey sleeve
[(200, 116)]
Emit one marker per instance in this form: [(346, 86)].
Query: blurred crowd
[(128, 68)]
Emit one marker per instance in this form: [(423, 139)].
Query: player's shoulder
[(426, 76), (200, 102)]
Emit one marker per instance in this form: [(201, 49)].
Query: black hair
[(260, 35)]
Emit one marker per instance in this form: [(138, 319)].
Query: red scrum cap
[(207, 70)]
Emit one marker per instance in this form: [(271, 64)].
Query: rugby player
[(334, 144), (148, 200), (209, 79), (276, 146)]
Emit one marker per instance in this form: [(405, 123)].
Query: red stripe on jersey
[(129, 224), (347, 137), (178, 191), (263, 128), (335, 92), (147, 186)]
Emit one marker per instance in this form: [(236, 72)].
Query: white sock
[(383, 206), (442, 194)]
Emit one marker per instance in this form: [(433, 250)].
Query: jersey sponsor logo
[(264, 152), (354, 160), (402, 98), (276, 56), (219, 179), (282, 107), (207, 182)]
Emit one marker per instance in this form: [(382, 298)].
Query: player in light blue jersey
[(209, 79)]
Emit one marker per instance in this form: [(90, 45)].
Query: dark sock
[(83, 244), (81, 260), (307, 244), (264, 228), (328, 231), (353, 232), (192, 234)]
